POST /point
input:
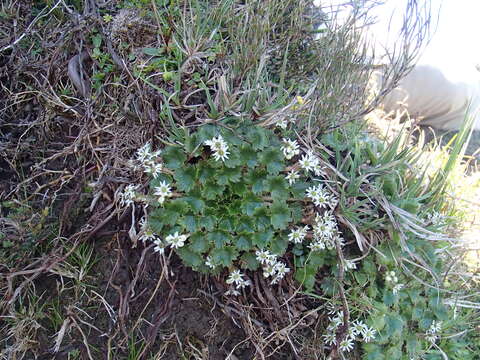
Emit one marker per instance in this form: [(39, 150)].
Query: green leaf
[(243, 242), (279, 245), (394, 352), (388, 298), (248, 156), (262, 239), (239, 188), (373, 352), (205, 172), (173, 210), (245, 224), (155, 224), (306, 277), (189, 257), (226, 175), (198, 243), (378, 322), (249, 261), (413, 345), (207, 132), (196, 203), (190, 223), (273, 160), (261, 218), (193, 144), (211, 190), (316, 259), (226, 224), (361, 278), (298, 189), (233, 159), (277, 186), (258, 137), (152, 51), (250, 203), (256, 179), (185, 178), (394, 326), (280, 215), (173, 157), (224, 256), (207, 222), (218, 238)]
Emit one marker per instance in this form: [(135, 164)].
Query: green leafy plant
[(239, 199)]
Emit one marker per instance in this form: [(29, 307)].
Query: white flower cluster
[(392, 279), (236, 278), (311, 162), (433, 330), (148, 158), (271, 266), (163, 191), (127, 197), (325, 232), (321, 197), (356, 330), (174, 240), (436, 218), (290, 148), (219, 148)]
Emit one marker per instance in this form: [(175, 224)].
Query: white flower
[(221, 154), (431, 337), (127, 197), (265, 257), (317, 246), (292, 176), (350, 265), (144, 153), (306, 163), (269, 270), (358, 326), (397, 288), (298, 235), (163, 191), (330, 338), (243, 283), (216, 143), (176, 240), (210, 263), (159, 246), (290, 148), (346, 344), (147, 235), (153, 168), (282, 124), (435, 327), (235, 277), (318, 170), (232, 292), (368, 334), (281, 269)]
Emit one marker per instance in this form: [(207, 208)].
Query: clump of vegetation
[(224, 139)]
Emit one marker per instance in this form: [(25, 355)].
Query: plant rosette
[(238, 201)]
